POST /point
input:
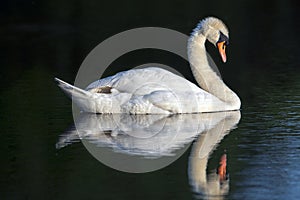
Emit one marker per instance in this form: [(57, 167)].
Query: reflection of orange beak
[(222, 47), (222, 168)]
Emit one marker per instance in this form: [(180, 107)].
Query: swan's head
[(215, 32)]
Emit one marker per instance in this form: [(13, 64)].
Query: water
[(43, 40)]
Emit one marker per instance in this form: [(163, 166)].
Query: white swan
[(154, 90)]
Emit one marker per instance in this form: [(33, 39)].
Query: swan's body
[(155, 90)]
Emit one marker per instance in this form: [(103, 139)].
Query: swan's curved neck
[(205, 76)]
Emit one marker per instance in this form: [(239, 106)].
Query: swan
[(154, 90)]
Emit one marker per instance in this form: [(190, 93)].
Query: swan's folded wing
[(136, 81)]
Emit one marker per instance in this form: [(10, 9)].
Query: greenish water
[(44, 40)]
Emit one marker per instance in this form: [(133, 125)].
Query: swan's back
[(145, 81)]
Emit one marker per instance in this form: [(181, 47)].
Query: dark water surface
[(42, 40)]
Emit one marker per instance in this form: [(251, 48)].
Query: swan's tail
[(72, 91), (85, 100), (92, 102)]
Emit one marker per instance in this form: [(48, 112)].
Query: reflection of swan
[(154, 90), (147, 135), (213, 186), (144, 138)]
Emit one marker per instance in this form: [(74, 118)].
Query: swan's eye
[(224, 39)]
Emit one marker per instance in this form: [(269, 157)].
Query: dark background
[(57, 36), (41, 40)]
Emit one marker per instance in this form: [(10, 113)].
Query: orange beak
[(222, 47)]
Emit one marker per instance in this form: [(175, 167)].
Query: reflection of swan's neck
[(202, 149), (204, 74)]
